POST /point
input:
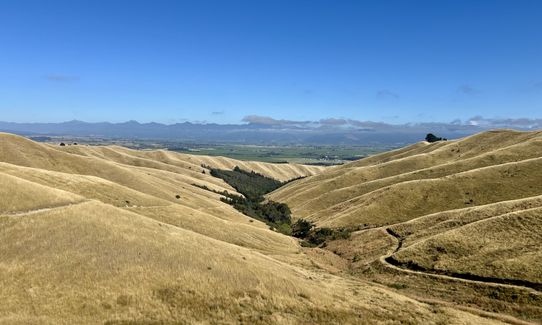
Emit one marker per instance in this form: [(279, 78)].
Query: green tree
[(430, 137), (301, 228)]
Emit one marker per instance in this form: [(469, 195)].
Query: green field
[(325, 155), (302, 154)]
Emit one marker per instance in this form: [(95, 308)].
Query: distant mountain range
[(266, 130)]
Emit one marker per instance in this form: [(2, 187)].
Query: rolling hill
[(116, 236), (463, 214), (425, 178)]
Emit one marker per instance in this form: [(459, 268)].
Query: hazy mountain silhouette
[(269, 130)]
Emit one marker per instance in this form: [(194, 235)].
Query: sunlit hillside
[(421, 179), (461, 216), (116, 236)]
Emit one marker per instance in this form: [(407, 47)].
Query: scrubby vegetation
[(276, 215), (302, 228), (313, 236), (254, 186)]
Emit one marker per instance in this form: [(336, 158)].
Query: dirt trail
[(36, 211), (500, 317), (385, 260)]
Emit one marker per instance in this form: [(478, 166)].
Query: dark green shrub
[(301, 228), (318, 236)]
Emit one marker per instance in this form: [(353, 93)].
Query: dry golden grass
[(96, 235), (172, 161), (504, 246), (421, 228), (360, 181), (242, 233), (92, 262), (468, 208), (484, 168), (404, 201), (90, 187), (362, 256), (19, 195)]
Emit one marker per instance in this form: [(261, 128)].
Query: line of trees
[(276, 215), (254, 186)]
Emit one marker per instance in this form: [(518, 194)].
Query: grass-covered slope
[(87, 239), (503, 247), (421, 179), (469, 209), (19, 195), (498, 241), (169, 160), (418, 229), (93, 263)]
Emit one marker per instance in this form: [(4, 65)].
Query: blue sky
[(218, 61)]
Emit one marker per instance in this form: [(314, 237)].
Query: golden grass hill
[(447, 232)]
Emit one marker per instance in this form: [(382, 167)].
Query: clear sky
[(218, 61)]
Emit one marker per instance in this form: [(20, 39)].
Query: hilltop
[(424, 178)]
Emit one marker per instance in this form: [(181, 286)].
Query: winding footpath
[(36, 211), (385, 260)]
